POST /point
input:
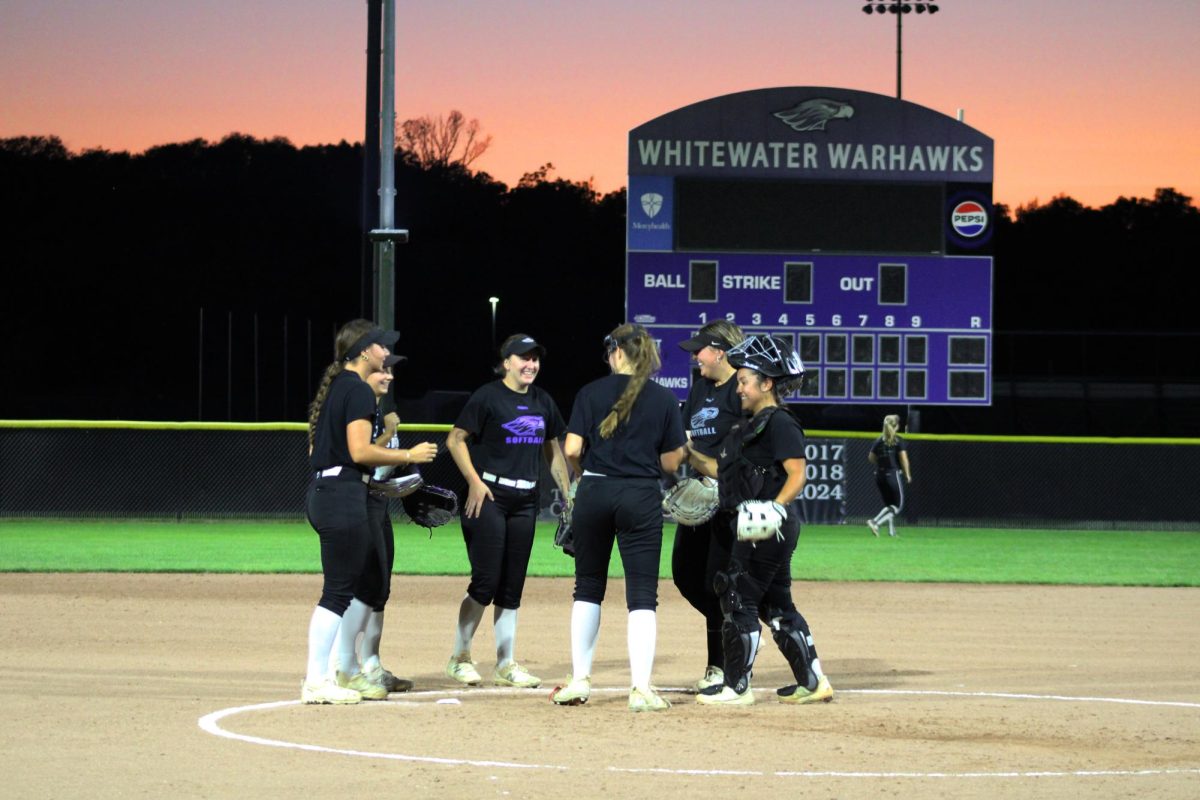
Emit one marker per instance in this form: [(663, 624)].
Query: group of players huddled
[(626, 436)]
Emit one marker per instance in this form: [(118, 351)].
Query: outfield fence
[(193, 470)]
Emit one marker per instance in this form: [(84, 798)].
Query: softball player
[(889, 454), (341, 454), (504, 429), (375, 584), (625, 433), (711, 408), (761, 470)]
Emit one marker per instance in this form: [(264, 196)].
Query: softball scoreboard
[(855, 225)]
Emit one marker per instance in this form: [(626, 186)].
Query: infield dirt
[(105, 678)]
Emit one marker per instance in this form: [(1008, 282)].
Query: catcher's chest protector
[(737, 478)]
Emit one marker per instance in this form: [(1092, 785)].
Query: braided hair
[(642, 353), (350, 333)]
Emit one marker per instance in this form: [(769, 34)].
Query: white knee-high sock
[(368, 646), (505, 622), (641, 633), (322, 630), (469, 615), (585, 629), (353, 623)]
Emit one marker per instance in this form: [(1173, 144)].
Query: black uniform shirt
[(508, 429), (887, 456), (783, 438), (654, 427), (349, 399), (709, 412)]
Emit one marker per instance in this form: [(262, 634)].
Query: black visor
[(374, 336)]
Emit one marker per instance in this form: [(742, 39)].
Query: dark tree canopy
[(111, 256)]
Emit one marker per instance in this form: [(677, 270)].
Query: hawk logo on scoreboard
[(652, 203), (811, 115), (969, 219)]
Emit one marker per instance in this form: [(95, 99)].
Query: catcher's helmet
[(769, 355)]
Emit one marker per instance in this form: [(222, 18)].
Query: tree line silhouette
[(204, 280)]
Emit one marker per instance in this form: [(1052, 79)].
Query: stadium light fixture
[(493, 301), (899, 9)]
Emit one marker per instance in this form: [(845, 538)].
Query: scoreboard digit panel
[(855, 225), (878, 328)]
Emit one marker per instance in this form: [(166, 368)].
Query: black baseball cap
[(703, 340), (393, 360), (519, 344), (374, 336)]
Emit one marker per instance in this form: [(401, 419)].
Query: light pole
[(493, 301), (898, 8)]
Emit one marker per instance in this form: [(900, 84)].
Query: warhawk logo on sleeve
[(811, 115)]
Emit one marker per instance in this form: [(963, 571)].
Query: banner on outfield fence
[(824, 494)]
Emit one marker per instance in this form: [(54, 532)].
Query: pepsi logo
[(969, 219)]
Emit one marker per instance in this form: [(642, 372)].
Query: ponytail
[(642, 353), (314, 408), (891, 424), (350, 333)]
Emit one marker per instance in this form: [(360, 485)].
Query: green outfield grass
[(826, 553)]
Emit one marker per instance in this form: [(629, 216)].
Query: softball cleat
[(575, 693), (723, 695), (513, 674), (387, 680), (327, 693), (799, 695), (647, 700), (464, 671), (713, 676), (360, 683)]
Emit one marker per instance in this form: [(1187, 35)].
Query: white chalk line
[(210, 723)]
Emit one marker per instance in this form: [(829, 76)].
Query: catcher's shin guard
[(796, 644), (741, 646), (740, 631)]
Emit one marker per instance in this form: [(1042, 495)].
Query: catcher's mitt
[(398, 487), (692, 502), (430, 506), (564, 537)]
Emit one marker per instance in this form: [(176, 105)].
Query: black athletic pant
[(375, 584), (499, 542), (698, 553), (890, 488), (764, 577), (337, 510), (628, 511)]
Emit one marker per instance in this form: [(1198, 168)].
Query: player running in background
[(711, 408), (506, 428), (625, 433), (341, 455), (761, 470), (889, 454)]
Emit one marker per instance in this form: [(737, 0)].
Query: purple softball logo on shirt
[(526, 429)]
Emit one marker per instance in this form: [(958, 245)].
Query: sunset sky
[(1094, 99)]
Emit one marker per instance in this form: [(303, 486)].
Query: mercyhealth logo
[(526, 429), (652, 203), (969, 219)]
